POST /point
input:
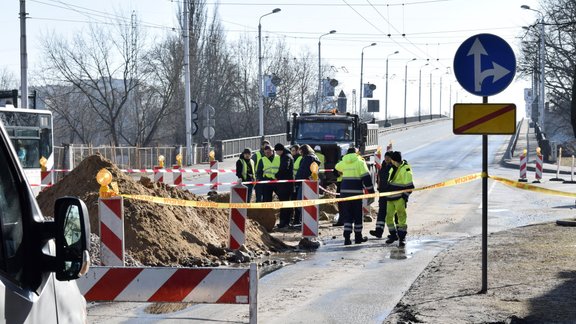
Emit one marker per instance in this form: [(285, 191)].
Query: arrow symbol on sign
[(497, 71)]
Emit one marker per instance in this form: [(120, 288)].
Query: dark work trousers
[(284, 192), (258, 190), (297, 213), (249, 192), (340, 217), (268, 190), (352, 214), (381, 218)]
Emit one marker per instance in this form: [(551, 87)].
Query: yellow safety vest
[(321, 158), (297, 164), (245, 168), (270, 168), (258, 158)]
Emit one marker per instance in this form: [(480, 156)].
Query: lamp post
[(260, 91), (420, 92), (542, 53), (361, 74), (320, 94), (431, 92), (386, 97), (406, 86)]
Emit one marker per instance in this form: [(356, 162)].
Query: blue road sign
[(484, 64)]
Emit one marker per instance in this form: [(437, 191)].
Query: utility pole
[(187, 95), (23, 57)]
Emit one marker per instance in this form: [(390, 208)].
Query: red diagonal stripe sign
[(484, 119)]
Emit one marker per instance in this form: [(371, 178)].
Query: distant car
[(39, 258)]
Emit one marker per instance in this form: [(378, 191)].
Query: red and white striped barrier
[(176, 175), (310, 213), (389, 147), (214, 175), (365, 207), (191, 285), (523, 168), (238, 216), (378, 159), (159, 174), (111, 214), (181, 170), (539, 164), (46, 178)]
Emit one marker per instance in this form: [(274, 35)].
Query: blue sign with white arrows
[(484, 64)]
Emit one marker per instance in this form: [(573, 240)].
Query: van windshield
[(324, 131)]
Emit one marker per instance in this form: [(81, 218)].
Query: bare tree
[(7, 79)]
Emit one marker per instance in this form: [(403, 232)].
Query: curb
[(570, 222)]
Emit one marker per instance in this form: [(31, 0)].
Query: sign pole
[(484, 209)]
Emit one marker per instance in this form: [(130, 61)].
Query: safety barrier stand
[(158, 174), (310, 213), (214, 174), (46, 179), (523, 163), (558, 163), (365, 206), (111, 214), (190, 285), (176, 175), (571, 173), (539, 165), (378, 158), (238, 216), (389, 147)]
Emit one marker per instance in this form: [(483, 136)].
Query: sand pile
[(159, 235)]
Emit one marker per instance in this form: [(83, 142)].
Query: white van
[(39, 258)]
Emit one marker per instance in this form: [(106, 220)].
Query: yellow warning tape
[(529, 187), (295, 203)]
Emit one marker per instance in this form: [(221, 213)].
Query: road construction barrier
[(159, 174), (539, 165), (523, 167), (238, 216), (365, 206), (176, 176), (111, 215), (214, 175), (190, 285), (378, 159), (310, 213), (46, 178), (558, 163)]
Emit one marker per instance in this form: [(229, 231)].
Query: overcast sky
[(429, 31)]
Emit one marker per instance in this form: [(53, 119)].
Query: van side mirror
[(72, 236)]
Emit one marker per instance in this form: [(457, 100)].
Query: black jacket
[(304, 170), (250, 174), (286, 170)]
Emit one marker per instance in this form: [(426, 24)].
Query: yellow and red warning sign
[(484, 119)]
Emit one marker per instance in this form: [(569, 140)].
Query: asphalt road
[(362, 283)]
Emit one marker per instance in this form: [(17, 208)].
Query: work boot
[(392, 237), (402, 238), (347, 240), (358, 238), (377, 232)]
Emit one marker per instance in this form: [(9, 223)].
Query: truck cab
[(39, 258), (334, 133)]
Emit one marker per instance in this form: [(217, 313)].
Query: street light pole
[(260, 86), (386, 97), (320, 95), (420, 92), (431, 92), (361, 74), (542, 61), (406, 86)]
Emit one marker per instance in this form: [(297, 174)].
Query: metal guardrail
[(231, 148)]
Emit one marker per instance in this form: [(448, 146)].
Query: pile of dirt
[(160, 235)]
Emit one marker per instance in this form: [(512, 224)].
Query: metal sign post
[(484, 65)]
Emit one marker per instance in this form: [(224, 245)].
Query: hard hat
[(317, 148)]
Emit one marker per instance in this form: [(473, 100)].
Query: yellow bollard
[(161, 161)]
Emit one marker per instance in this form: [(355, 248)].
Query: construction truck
[(334, 132)]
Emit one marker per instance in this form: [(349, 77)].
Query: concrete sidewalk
[(526, 140)]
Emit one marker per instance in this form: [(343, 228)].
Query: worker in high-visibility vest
[(295, 150), (284, 190), (355, 178), (246, 170), (266, 171), (256, 157), (399, 179), (383, 175)]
